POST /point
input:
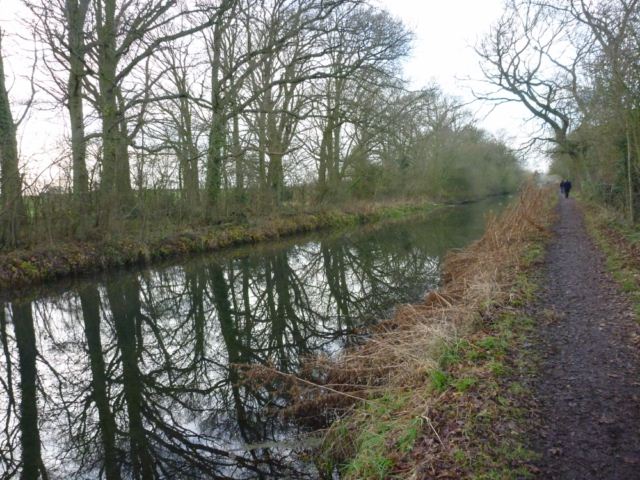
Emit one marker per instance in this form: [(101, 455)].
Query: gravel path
[(589, 385)]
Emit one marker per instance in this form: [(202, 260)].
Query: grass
[(620, 243), (431, 391), (491, 406), (372, 445), (473, 389), (373, 439)]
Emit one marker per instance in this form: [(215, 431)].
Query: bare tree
[(179, 127), (608, 32), (523, 61), (364, 46)]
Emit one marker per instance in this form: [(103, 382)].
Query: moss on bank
[(30, 267), (442, 385)]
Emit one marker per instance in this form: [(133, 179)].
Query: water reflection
[(130, 377)]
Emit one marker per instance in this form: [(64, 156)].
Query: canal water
[(130, 375)]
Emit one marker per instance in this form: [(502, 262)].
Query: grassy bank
[(437, 390), (620, 243), (29, 267)]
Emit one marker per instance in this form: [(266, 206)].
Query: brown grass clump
[(399, 358), (402, 349)]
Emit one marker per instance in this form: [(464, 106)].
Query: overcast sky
[(445, 33)]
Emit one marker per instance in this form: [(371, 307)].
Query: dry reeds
[(404, 347), (403, 351)]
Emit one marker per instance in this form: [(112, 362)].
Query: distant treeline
[(183, 112)]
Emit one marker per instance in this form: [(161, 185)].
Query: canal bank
[(440, 389), (24, 268)]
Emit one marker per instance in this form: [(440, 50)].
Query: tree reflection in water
[(131, 377)]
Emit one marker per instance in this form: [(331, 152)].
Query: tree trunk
[(276, 176), (237, 156), (215, 157), (262, 151), (123, 170), (113, 180), (333, 157), (76, 11), (217, 130), (191, 181), (334, 152), (11, 206), (275, 171), (629, 177), (324, 167)]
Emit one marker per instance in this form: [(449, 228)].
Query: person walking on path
[(562, 188), (567, 188)]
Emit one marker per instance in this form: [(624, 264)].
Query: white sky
[(41, 132), (445, 32)]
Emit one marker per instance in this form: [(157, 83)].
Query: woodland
[(176, 114)]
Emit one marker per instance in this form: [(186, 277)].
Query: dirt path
[(589, 385)]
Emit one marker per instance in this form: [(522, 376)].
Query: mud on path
[(589, 382)]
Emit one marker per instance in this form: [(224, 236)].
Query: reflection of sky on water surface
[(133, 377)]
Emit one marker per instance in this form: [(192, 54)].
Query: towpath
[(589, 384)]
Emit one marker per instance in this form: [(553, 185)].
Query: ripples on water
[(128, 375)]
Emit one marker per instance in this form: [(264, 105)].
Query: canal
[(131, 374)]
